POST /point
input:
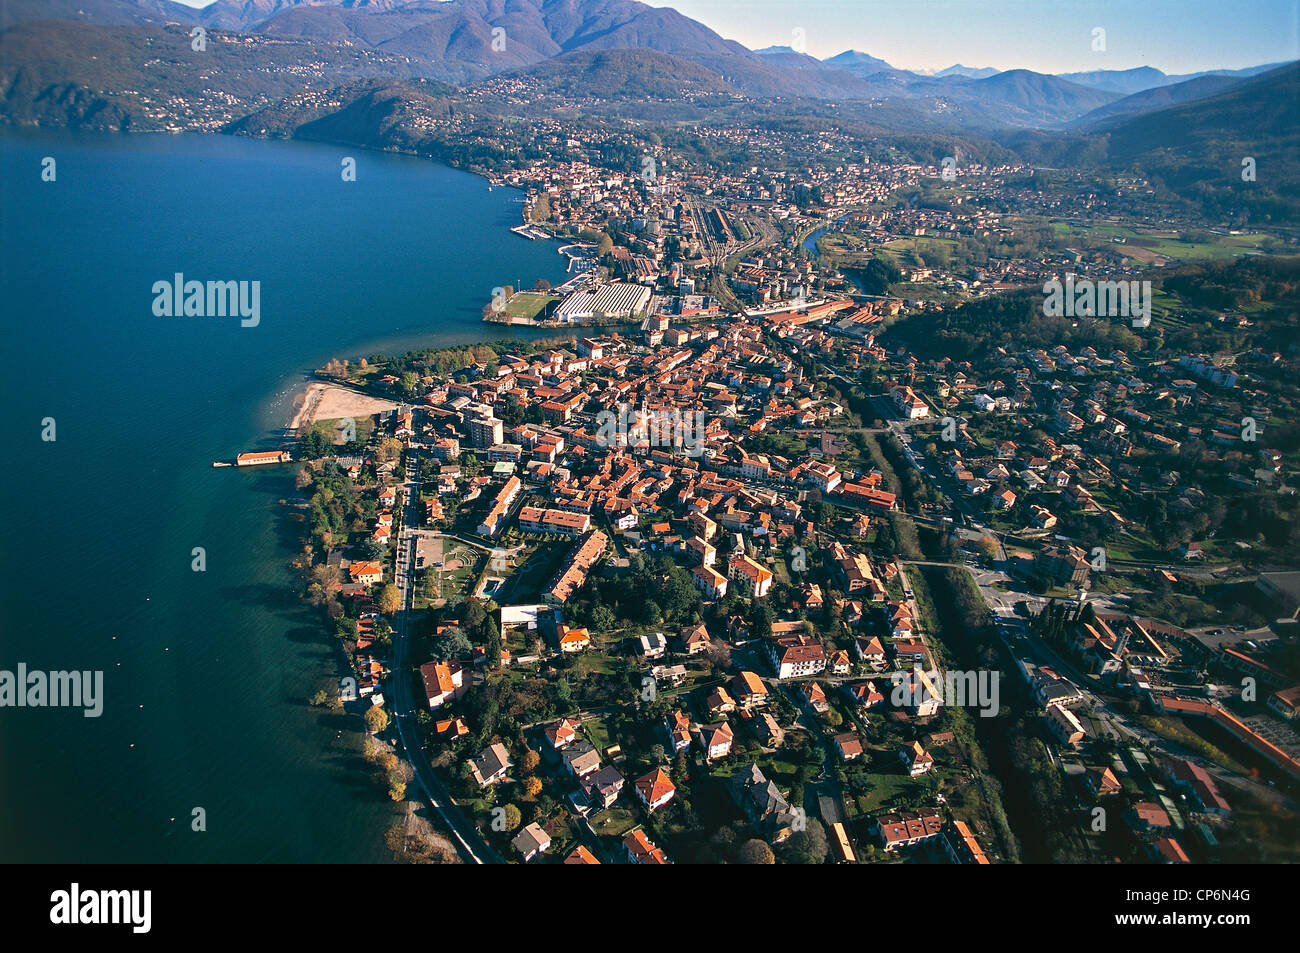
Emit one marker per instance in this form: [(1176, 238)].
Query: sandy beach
[(330, 402)]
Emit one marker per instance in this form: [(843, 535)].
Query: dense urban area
[(831, 541)]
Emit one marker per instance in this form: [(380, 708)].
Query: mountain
[(551, 45), (1033, 98), (1123, 81), (98, 12), (1195, 150), (1160, 97), (967, 72), (788, 56), (1239, 73), (623, 74), (861, 64), (1258, 117), (246, 14), (1130, 81)]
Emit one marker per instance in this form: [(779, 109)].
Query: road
[(469, 843)]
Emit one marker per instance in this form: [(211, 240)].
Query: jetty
[(256, 459), (531, 232)]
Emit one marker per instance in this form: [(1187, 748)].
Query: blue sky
[(1049, 36)]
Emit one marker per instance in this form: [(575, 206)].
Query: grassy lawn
[(597, 733), (364, 425), (528, 304), (613, 822)]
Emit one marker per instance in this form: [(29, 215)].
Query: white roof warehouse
[(617, 299)]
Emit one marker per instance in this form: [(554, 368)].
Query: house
[(573, 574), (1101, 782), (655, 789), (1194, 781), (793, 656), (451, 727), (1147, 816), (641, 850), (491, 764), (580, 759), (711, 583), (908, 405), (960, 845), (1066, 565), (1166, 850), (367, 573), (562, 735), (603, 786), (694, 640), (762, 803), (1286, 703), (671, 674), (678, 728), (766, 730), (749, 690), (839, 663), (917, 690), (496, 516), (715, 740), (531, 842), (916, 759), (1064, 725), (580, 855), (906, 828), (719, 702), (849, 746), (572, 640), (443, 682), (653, 645), (871, 651), (816, 697), (864, 694)]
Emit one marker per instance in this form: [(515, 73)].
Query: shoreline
[(327, 401)]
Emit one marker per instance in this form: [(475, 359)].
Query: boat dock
[(531, 232), (256, 459)]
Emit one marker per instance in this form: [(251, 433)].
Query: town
[(738, 642)]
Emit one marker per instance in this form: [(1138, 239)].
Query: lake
[(206, 674)]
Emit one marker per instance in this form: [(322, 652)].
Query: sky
[(1047, 36)]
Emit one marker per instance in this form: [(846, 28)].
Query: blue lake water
[(206, 673)]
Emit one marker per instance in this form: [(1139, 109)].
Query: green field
[(528, 305), (1148, 243)]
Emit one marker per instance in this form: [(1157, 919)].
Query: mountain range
[(460, 41), (351, 68)]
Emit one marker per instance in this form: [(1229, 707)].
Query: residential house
[(655, 789)]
